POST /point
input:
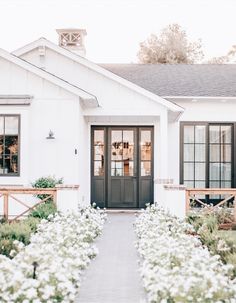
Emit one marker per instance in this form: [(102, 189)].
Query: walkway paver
[(113, 276)]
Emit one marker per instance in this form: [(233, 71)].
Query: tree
[(228, 58), (172, 46)]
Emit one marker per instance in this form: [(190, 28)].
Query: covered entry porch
[(126, 155)]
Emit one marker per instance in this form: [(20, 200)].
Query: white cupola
[(73, 40)]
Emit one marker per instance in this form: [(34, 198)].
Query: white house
[(114, 129)]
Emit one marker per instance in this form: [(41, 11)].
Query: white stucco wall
[(52, 108), (119, 105)]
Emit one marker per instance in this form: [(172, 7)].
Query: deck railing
[(228, 193), (8, 193)]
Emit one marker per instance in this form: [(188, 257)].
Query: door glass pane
[(200, 134), (128, 145), (188, 171), (200, 152), (98, 168), (214, 152), (128, 168), (188, 152), (117, 145), (99, 137), (116, 136), (128, 137), (117, 168), (99, 152), (146, 148), (188, 134), (226, 153), (214, 133), (214, 171), (11, 125), (226, 133), (145, 168)]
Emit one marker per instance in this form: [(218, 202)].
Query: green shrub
[(20, 231), (46, 182), (6, 246), (42, 211)]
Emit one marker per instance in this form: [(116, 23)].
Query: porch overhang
[(15, 99)]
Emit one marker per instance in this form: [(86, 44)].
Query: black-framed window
[(206, 155), (9, 144)]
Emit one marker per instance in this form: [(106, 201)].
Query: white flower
[(175, 266), (61, 248)]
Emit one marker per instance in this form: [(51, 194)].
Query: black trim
[(19, 145), (137, 172), (233, 149)]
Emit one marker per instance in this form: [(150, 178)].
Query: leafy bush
[(219, 243), (43, 210), (46, 182), (16, 231)]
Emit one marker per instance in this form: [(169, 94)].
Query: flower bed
[(207, 224), (49, 268), (175, 266)]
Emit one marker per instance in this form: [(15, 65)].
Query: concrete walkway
[(113, 276)]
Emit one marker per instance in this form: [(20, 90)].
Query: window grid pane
[(194, 157), (220, 149), (98, 156), (122, 153)]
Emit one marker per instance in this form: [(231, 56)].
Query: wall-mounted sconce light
[(50, 135)]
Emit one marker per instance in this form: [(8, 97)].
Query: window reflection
[(9, 146), (122, 152), (146, 152), (99, 153)]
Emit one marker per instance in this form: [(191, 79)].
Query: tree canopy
[(228, 58), (171, 46)]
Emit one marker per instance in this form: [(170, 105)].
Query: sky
[(116, 27)]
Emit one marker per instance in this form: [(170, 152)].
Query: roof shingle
[(180, 79)]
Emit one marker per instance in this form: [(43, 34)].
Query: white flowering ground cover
[(175, 266), (61, 249)]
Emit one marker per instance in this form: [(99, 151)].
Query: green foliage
[(6, 246), (43, 210), (46, 182), (222, 243), (20, 231)]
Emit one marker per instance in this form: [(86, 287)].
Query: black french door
[(122, 166)]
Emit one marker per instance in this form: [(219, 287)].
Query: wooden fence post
[(55, 198), (187, 201), (234, 208), (6, 206)]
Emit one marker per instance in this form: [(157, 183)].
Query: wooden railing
[(193, 192), (10, 193)]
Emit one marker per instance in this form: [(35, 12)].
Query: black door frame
[(106, 129)]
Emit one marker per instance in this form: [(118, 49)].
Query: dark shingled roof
[(180, 79)]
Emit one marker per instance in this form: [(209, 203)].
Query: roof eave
[(44, 42)]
